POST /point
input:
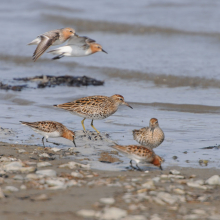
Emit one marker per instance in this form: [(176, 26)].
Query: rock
[(149, 185), (168, 198), (27, 169), (113, 213), (86, 213), (51, 173), (55, 182), (107, 201), (192, 217), (72, 165), (55, 149), (13, 166), (214, 217), (43, 164), (179, 191), (21, 151), (135, 217), (78, 175), (18, 177), (33, 176), (183, 210), (196, 185), (71, 183), (174, 172), (156, 179), (158, 201), (1, 194), (41, 197), (23, 187), (44, 155), (11, 189), (213, 180), (199, 212), (155, 217)]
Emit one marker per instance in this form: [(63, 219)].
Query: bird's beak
[(104, 51), (160, 167), (76, 35), (74, 143), (125, 103)]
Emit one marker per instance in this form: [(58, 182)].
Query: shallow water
[(163, 57)]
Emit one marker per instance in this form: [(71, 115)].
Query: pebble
[(112, 213), (135, 217), (41, 197), (192, 217), (196, 185), (86, 213), (174, 172), (55, 182), (213, 180), (72, 165), (168, 198), (43, 164), (158, 201), (199, 212), (44, 155), (13, 166), (156, 179), (51, 173), (78, 175), (155, 217), (149, 185), (21, 151), (179, 191), (23, 187), (107, 201), (1, 194), (55, 149), (33, 176), (18, 177), (214, 217), (11, 189)]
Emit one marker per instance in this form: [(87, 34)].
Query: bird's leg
[(138, 167), (43, 142), (132, 165), (82, 122), (94, 127), (52, 142), (58, 57)]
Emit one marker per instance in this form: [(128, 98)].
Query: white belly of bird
[(90, 116), (53, 134)]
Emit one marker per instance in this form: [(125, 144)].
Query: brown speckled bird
[(54, 37), (51, 129), (94, 107), (140, 154), (151, 136)]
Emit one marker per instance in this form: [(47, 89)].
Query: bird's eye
[(121, 99), (71, 31)]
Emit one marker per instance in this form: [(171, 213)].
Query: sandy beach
[(70, 189)]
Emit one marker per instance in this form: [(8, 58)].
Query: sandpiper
[(77, 47), (151, 136), (51, 129), (54, 37), (140, 154), (94, 107)]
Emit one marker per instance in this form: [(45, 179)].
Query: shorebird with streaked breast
[(51, 38), (94, 107), (51, 129), (151, 136), (77, 47)]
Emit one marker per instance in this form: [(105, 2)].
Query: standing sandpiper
[(94, 107)]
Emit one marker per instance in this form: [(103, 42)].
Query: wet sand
[(132, 191)]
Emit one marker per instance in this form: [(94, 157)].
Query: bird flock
[(92, 107)]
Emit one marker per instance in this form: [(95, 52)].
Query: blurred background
[(163, 57)]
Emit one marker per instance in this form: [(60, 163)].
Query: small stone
[(175, 176), (18, 177), (183, 210), (33, 176), (51, 173), (179, 191), (213, 180), (113, 213), (72, 165), (200, 182), (27, 169), (174, 172), (86, 213), (23, 187), (21, 151), (158, 201), (1, 194), (41, 197), (78, 175), (71, 183), (11, 189), (199, 212), (13, 166), (155, 217), (44, 155), (55, 149), (135, 217), (107, 201), (43, 164), (214, 217), (55, 183), (168, 198), (149, 185), (191, 217), (156, 179), (196, 185)]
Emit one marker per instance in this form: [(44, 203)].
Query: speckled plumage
[(94, 107), (140, 154), (151, 136), (51, 129)]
